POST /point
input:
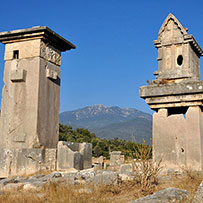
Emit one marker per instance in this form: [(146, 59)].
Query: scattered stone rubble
[(107, 177), (71, 177), (36, 182)]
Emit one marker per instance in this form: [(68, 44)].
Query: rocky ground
[(122, 185)]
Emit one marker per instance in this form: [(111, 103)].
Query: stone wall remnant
[(74, 155), (176, 95), (116, 158)]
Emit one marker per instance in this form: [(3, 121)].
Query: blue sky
[(115, 54)]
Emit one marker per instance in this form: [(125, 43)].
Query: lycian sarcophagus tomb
[(177, 97)]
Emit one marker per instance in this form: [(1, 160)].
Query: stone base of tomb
[(14, 162), (17, 162), (177, 123), (178, 138)]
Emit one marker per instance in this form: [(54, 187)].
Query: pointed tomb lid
[(177, 24), (172, 32)]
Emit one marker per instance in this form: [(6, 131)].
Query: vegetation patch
[(101, 147)]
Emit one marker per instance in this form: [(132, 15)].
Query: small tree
[(97, 151)]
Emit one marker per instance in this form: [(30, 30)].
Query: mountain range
[(110, 122)]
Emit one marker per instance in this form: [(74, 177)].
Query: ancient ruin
[(29, 123), (74, 155), (116, 159), (177, 97)]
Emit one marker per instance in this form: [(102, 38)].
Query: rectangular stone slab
[(17, 75), (37, 32), (171, 89), (174, 99)]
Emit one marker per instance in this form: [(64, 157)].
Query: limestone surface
[(74, 155), (199, 194), (167, 195), (116, 158)]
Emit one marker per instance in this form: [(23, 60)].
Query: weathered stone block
[(49, 162), (126, 169), (86, 151), (105, 177), (74, 155), (26, 161), (167, 195), (116, 158), (17, 75), (177, 140), (27, 49)]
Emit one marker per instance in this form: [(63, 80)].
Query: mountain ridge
[(109, 122)]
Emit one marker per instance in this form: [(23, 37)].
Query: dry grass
[(56, 193), (123, 192), (189, 180)]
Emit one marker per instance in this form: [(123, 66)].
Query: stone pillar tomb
[(176, 95), (29, 123)]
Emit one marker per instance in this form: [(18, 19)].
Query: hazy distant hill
[(110, 122), (137, 128)]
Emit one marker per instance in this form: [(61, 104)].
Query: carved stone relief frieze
[(50, 53)]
